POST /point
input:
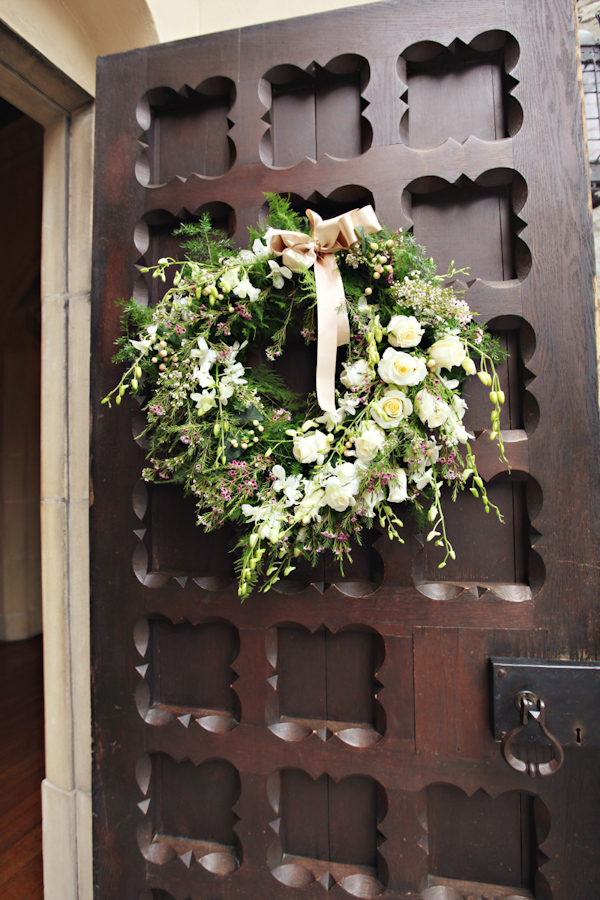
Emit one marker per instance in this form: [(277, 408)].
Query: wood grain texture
[(21, 769), (459, 725), (494, 178)]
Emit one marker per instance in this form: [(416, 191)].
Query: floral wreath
[(301, 475)]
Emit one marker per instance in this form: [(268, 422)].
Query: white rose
[(395, 405), (349, 474), (354, 374), (449, 351), (337, 495), (369, 443), (397, 487), (431, 410), (310, 448), (401, 368), (405, 331)]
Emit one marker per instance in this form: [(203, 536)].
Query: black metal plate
[(570, 690)]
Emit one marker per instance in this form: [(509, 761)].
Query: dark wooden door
[(335, 735)]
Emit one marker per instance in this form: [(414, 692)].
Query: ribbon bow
[(317, 249)]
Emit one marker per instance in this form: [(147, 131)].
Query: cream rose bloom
[(398, 487), (395, 405), (341, 487), (405, 331), (401, 368), (311, 447), (431, 410), (354, 374), (448, 352), (368, 444)]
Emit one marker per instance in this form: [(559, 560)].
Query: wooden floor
[(21, 769)]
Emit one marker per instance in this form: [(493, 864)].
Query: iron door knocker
[(532, 709)]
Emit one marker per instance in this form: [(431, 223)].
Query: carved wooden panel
[(334, 735)]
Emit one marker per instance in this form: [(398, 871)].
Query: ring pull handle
[(532, 709)]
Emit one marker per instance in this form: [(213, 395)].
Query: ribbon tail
[(333, 327)]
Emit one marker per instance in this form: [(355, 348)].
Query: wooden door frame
[(44, 93)]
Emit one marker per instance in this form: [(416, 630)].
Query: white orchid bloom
[(279, 273), (422, 479), (371, 499), (247, 256), (226, 390), (233, 373), (142, 346), (245, 289), (204, 401), (288, 484), (349, 403), (204, 378), (331, 420), (259, 249), (206, 356), (255, 513), (229, 280), (365, 308), (311, 503)]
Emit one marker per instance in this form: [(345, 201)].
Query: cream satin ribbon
[(317, 249)]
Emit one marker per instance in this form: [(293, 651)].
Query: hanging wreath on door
[(301, 475)]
